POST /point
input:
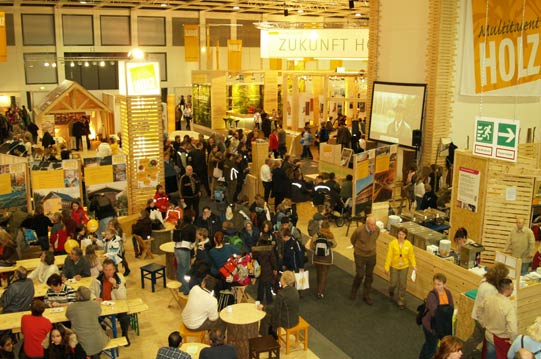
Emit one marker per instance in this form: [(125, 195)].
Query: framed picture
[(346, 156)]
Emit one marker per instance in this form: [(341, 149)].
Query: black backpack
[(322, 247)]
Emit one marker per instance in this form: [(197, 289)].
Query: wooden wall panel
[(270, 94)]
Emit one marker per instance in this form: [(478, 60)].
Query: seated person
[(174, 214), (347, 188), (172, 351), (45, 269), (429, 199), (75, 265), (35, 328), (284, 313), (220, 253), (6, 347), (218, 348), (460, 239), (110, 285), (18, 295), (58, 294), (142, 228), (320, 191), (201, 311), (332, 183)]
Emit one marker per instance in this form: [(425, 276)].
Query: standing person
[(198, 161), (343, 136), (521, 244), (257, 119), (87, 132), (321, 244), (188, 113), (41, 224), (35, 328), (189, 190), (266, 177), (231, 174), (487, 288), (530, 341), (273, 143), (110, 285), (263, 252), (306, 141), (400, 257), (84, 316), (103, 208), (18, 295), (280, 184), (162, 200), (282, 148), (47, 141), (173, 350), (450, 348), (210, 221), (364, 245), (78, 213), (218, 348), (78, 130), (498, 316), (184, 238), (438, 319), (266, 123), (419, 191)]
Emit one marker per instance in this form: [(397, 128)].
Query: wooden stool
[(264, 345), (152, 271), (240, 294), (300, 331), (145, 246), (174, 286), (186, 333)]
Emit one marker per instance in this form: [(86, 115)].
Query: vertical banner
[(3, 39), (386, 160), (107, 176), (234, 55), (364, 165), (275, 64), (56, 185), (191, 43)]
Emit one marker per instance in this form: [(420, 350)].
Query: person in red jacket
[(162, 201), (35, 328), (273, 143), (78, 213)]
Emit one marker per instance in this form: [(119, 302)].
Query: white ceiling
[(334, 9)]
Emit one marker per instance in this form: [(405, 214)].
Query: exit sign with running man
[(496, 138)]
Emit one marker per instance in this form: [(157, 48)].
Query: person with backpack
[(531, 341), (437, 321), (321, 244), (400, 257)]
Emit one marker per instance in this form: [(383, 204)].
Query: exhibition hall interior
[(266, 179)]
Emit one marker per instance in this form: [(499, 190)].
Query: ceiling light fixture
[(82, 2), (87, 64), (102, 63), (53, 64), (358, 14), (300, 11), (46, 64), (72, 64), (163, 4), (236, 7)]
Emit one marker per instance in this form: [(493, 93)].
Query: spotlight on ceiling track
[(351, 4)]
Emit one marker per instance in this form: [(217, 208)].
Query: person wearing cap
[(399, 128), (84, 315)]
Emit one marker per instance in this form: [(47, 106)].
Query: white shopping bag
[(302, 280)]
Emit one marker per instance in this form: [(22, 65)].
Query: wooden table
[(170, 268), (57, 315), (31, 264), (242, 324), (161, 236), (40, 289), (193, 349)]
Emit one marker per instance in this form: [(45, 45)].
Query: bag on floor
[(302, 280)]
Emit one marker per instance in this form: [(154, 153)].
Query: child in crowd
[(62, 343), (174, 214), (115, 225), (6, 347), (78, 213), (113, 246), (59, 235), (93, 260), (162, 201)]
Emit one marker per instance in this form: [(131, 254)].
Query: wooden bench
[(111, 349)]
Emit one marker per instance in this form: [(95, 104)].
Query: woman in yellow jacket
[(400, 257)]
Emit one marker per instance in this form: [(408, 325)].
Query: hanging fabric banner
[(3, 39), (502, 56), (191, 43), (234, 55)]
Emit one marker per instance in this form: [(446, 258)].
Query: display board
[(55, 185), (13, 187), (108, 176), (374, 176)]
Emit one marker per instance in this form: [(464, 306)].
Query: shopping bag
[(302, 280)]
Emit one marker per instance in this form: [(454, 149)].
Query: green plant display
[(246, 98), (201, 105)]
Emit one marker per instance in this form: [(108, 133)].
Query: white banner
[(316, 43)]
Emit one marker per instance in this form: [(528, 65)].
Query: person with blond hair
[(530, 341)]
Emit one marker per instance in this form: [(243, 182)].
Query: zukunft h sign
[(316, 43), (496, 138)]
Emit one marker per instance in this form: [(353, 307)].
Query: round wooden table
[(170, 267), (161, 236), (242, 324), (193, 349)]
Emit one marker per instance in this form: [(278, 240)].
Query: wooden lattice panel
[(142, 137), (373, 44), (440, 65)]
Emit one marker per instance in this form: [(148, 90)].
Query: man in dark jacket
[(103, 208), (197, 159), (210, 221), (190, 189), (19, 294)]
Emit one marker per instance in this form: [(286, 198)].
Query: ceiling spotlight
[(136, 54), (358, 14), (351, 4), (79, 63), (112, 63), (87, 64), (72, 64), (236, 7), (300, 11), (53, 64), (163, 4), (94, 63), (286, 12), (82, 2), (46, 64), (102, 63)]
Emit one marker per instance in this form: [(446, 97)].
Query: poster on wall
[(13, 187), (386, 161), (364, 167), (147, 173), (501, 48), (56, 185), (107, 176), (468, 188)]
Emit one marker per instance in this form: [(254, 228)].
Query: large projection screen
[(397, 110)]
